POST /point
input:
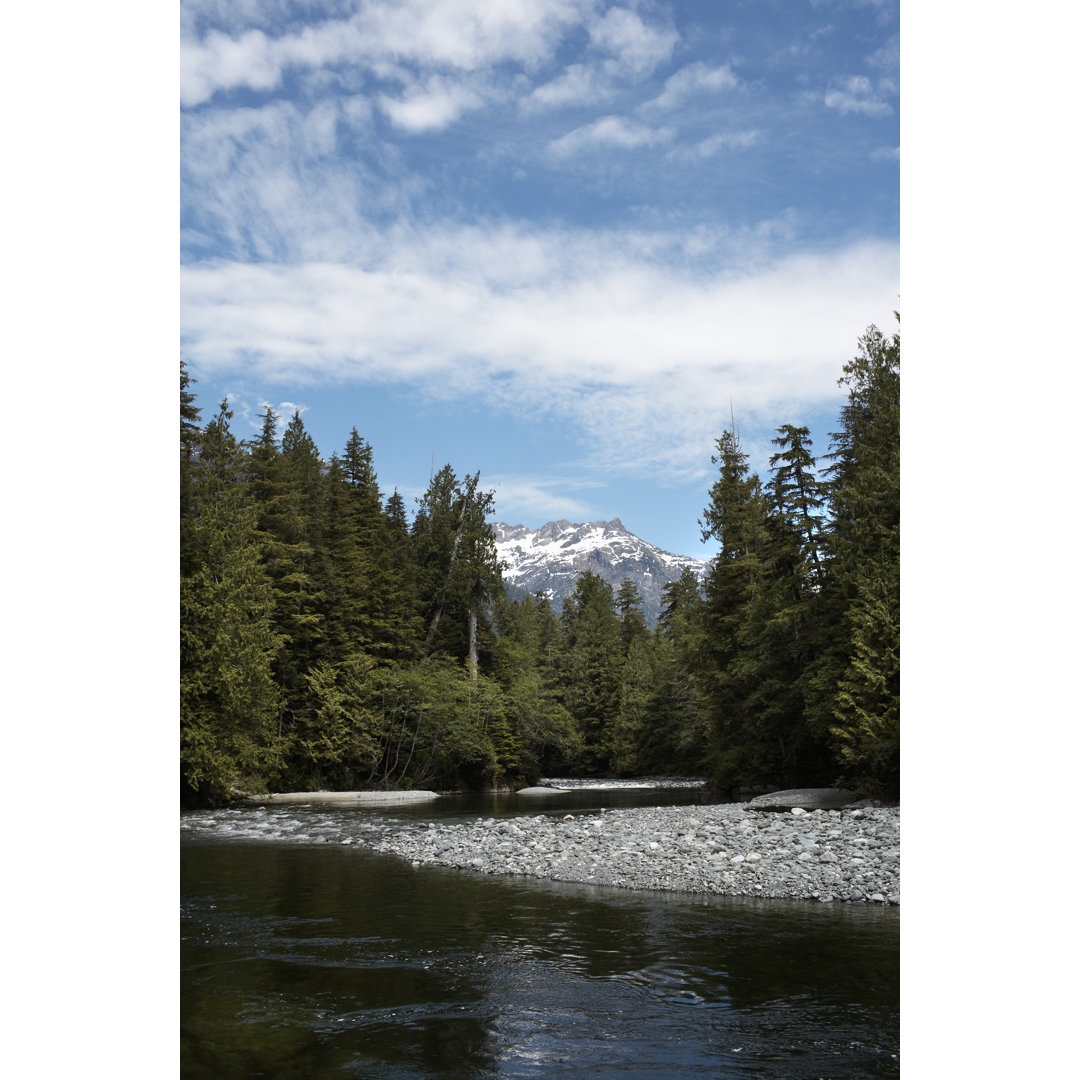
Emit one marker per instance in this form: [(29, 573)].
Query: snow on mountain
[(550, 558)]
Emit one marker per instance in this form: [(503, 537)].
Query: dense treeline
[(327, 642)]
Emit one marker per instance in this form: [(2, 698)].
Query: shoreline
[(724, 849)]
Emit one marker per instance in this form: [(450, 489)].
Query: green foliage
[(459, 569), (228, 697), (678, 737), (278, 483), (338, 743), (592, 636), (437, 727), (328, 642), (854, 687), (529, 667), (636, 710), (867, 704), (800, 662)]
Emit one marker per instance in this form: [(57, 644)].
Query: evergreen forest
[(332, 639)]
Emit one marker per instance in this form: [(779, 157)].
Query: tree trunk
[(472, 639)]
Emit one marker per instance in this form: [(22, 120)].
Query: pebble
[(828, 856)]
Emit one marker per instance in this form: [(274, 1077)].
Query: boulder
[(804, 799), (542, 791)]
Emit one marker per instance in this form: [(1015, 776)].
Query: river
[(303, 957)]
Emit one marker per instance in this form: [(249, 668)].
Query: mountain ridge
[(550, 559)]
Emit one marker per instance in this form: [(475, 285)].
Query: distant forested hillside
[(331, 639)]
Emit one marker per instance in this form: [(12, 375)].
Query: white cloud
[(223, 63), (272, 183), (430, 107), (721, 141), (857, 95), (610, 131), (690, 81), (579, 84), (887, 58), (468, 35), (636, 47), (643, 360), (457, 35), (886, 153), (531, 498)]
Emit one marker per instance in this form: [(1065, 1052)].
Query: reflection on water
[(307, 959)]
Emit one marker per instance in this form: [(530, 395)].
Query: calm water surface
[(303, 957)]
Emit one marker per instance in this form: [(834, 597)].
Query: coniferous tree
[(301, 471), (458, 568), (736, 516), (367, 609), (629, 604), (637, 682), (798, 497), (528, 666), (356, 551), (436, 532), (287, 555), (636, 715), (854, 687), (478, 571), (337, 740), (189, 414), (228, 699), (399, 575), (189, 431), (777, 636), (592, 637), (679, 739)]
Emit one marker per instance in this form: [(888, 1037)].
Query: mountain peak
[(550, 560)]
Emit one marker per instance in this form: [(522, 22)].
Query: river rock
[(542, 791), (726, 849), (803, 799)]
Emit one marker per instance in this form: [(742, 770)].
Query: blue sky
[(555, 241)]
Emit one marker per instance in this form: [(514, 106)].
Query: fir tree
[(679, 739), (189, 431), (277, 488), (228, 699), (528, 667), (855, 685), (736, 516), (369, 603), (459, 571), (592, 637)]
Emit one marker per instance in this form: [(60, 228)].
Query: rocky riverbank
[(727, 849)]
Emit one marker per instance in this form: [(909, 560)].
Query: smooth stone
[(541, 791)]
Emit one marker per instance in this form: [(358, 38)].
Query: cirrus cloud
[(857, 95), (610, 131)]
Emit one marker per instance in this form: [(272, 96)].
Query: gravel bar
[(726, 849)]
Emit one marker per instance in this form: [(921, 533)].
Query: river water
[(303, 957)]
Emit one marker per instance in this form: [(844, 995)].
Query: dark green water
[(301, 957)]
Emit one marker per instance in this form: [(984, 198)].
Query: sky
[(991, 220), (559, 242)]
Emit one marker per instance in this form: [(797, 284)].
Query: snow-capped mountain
[(551, 558)]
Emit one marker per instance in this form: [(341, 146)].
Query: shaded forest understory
[(327, 642)]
